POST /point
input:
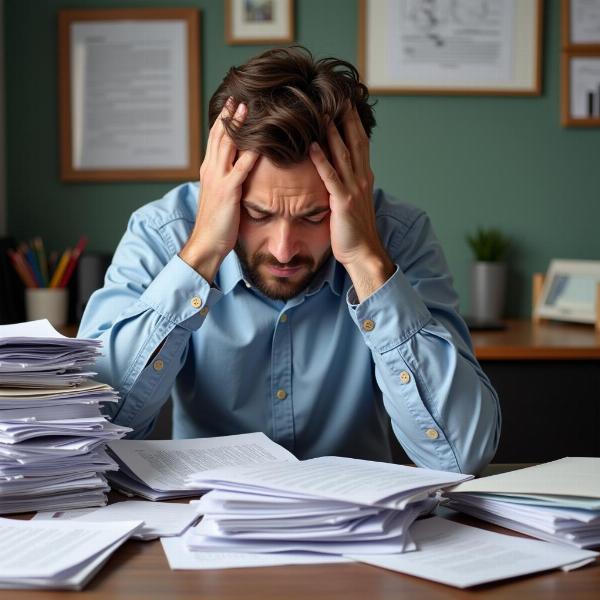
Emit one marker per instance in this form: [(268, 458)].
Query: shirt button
[(281, 394), (196, 302), (283, 318), (432, 434), (404, 377), (158, 365), (368, 325), (204, 311)]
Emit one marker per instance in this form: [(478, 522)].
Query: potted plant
[(488, 274)]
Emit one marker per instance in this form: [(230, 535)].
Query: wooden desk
[(548, 378), (139, 571), (524, 340)]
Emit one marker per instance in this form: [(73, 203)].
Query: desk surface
[(524, 340), (139, 571)]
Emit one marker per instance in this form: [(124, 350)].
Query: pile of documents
[(47, 554), (157, 469), (330, 505), (161, 519), (52, 432), (557, 501)]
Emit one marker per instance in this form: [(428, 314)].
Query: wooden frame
[(565, 19), (569, 116), (542, 283), (525, 73), (182, 66), (584, 109), (281, 32)]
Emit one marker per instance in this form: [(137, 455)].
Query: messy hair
[(290, 97)]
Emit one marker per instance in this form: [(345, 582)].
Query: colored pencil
[(79, 248), (22, 253), (22, 272), (38, 244), (60, 268)]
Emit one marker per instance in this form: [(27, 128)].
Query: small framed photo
[(570, 291), (449, 47), (259, 21), (129, 94), (580, 23), (580, 88)]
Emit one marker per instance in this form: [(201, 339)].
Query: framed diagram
[(451, 46), (129, 94), (259, 21), (580, 88), (580, 23)]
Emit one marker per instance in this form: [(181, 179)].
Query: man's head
[(284, 224)]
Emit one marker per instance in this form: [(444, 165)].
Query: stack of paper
[(557, 501), (161, 519), (157, 469), (330, 505), (52, 433), (61, 555)]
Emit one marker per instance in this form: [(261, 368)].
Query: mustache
[(270, 260)]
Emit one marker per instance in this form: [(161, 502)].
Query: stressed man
[(284, 294)]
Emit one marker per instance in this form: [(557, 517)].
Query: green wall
[(468, 161)]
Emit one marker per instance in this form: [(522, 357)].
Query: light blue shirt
[(320, 374)]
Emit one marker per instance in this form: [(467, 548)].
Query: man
[(284, 295)]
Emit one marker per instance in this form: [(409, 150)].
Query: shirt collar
[(231, 273)]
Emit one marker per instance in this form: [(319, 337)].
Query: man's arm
[(153, 298), (443, 409)]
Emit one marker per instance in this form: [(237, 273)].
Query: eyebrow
[(311, 212)]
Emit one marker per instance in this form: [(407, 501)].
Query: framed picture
[(259, 21), (581, 23), (451, 46), (570, 291), (129, 87), (580, 88)]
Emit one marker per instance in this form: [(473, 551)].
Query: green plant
[(488, 245)]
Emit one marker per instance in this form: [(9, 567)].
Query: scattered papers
[(181, 558), (61, 555), (557, 501), (52, 432), (157, 469), (330, 505), (464, 556), (161, 519)]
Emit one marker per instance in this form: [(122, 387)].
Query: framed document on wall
[(451, 47), (580, 63), (129, 94)]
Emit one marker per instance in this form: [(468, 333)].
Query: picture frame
[(580, 24), (261, 22), (405, 47), (129, 94), (570, 291), (580, 88)]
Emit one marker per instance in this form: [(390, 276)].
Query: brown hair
[(289, 94)]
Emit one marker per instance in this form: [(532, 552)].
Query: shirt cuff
[(181, 294), (389, 316)]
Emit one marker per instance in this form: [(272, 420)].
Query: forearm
[(443, 409), (146, 337)]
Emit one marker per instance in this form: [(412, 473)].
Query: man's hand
[(221, 177), (354, 239)]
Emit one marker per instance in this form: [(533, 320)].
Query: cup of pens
[(46, 280)]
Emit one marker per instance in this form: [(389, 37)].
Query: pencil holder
[(47, 303)]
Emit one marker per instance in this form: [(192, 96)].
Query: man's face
[(284, 227)]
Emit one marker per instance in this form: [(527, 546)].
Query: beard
[(279, 288)]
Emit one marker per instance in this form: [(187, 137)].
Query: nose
[(283, 244)]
